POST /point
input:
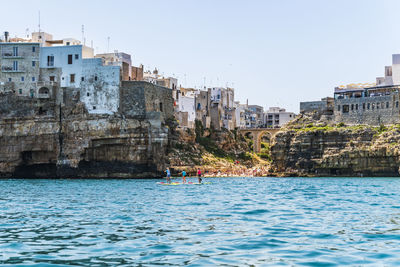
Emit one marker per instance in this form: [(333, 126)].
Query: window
[(69, 59), (68, 43), (20, 91), (22, 78), (87, 94), (345, 108), (50, 61), (397, 104), (33, 49), (15, 65), (363, 106), (377, 105), (94, 107), (338, 109), (76, 56), (161, 107), (368, 105), (356, 106), (33, 79), (72, 78), (352, 106), (9, 79), (82, 79), (52, 78), (373, 106), (33, 63), (387, 104), (95, 78), (15, 51)]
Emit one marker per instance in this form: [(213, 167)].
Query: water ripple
[(232, 222)]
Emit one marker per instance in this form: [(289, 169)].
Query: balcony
[(43, 96), (46, 84), (11, 69), (11, 55)]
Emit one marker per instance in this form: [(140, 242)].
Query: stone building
[(144, 100), (372, 106), (19, 68), (323, 107), (137, 73), (222, 110), (202, 105)]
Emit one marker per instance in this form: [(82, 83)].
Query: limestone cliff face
[(342, 151), (82, 146)]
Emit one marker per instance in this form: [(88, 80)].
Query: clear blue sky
[(273, 52)]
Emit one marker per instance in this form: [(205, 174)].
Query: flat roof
[(19, 43)]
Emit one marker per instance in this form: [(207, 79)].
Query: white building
[(123, 60), (240, 114), (68, 59), (277, 117), (99, 84), (186, 105)]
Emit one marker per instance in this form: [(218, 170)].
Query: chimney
[(6, 34)]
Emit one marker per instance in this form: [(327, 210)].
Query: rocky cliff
[(76, 144), (307, 147), (219, 153)]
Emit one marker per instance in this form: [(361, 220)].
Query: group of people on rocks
[(235, 172), (239, 172)]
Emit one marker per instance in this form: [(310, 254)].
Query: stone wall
[(12, 106), (140, 99), (310, 106), (368, 110)]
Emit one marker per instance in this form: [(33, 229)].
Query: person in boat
[(199, 175), (168, 175), (184, 177)]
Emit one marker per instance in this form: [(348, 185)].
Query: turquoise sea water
[(232, 222)]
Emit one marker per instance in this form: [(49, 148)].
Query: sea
[(230, 222)]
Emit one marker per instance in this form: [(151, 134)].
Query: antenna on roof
[(83, 34), (39, 21)]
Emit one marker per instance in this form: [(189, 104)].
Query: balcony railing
[(43, 95), (11, 55), (11, 69), (46, 84)]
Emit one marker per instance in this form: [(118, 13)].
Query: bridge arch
[(257, 134)]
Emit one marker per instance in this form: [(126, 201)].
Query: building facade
[(19, 68), (372, 106), (276, 117)]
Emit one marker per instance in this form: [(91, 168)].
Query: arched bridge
[(258, 133)]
